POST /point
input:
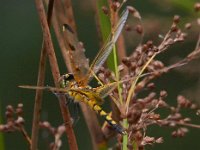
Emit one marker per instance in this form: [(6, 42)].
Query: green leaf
[(186, 5), (105, 29)]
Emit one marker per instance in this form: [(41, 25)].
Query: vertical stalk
[(56, 75), (125, 137), (97, 137), (117, 74), (40, 82)]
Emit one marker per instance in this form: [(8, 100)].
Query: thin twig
[(189, 125), (56, 74), (25, 134), (40, 82)]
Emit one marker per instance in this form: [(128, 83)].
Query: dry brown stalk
[(90, 116), (56, 75), (40, 82)]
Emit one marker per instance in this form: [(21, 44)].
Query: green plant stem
[(125, 122), (125, 137), (117, 74)]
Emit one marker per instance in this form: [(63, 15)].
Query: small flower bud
[(188, 26), (163, 94), (105, 10), (176, 19), (139, 29), (197, 7)]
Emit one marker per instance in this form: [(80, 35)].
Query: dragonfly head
[(66, 79)]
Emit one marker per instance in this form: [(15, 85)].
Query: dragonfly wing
[(105, 90), (107, 47), (79, 63)]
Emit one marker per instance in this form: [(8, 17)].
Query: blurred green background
[(20, 44)]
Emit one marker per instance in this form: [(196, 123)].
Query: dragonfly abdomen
[(106, 116), (91, 100), (76, 96)]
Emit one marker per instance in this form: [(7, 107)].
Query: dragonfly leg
[(69, 100), (57, 94), (76, 112)]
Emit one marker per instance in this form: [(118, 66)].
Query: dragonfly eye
[(69, 77), (66, 79)]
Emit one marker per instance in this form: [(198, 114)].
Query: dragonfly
[(75, 85)]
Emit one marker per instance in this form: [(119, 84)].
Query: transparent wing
[(78, 61), (107, 47), (106, 89)]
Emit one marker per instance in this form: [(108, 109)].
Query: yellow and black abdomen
[(106, 116), (93, 101)]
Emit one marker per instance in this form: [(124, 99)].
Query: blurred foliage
[(185, 5), (2, 142)]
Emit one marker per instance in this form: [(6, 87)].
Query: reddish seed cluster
[(115, 5), (142, 113), (142, 110), (197, 7), (139, 29), (185, 103), (134, 12), (55, 132), (16, 122), (180, 132), (105, 10), (14, 119)]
